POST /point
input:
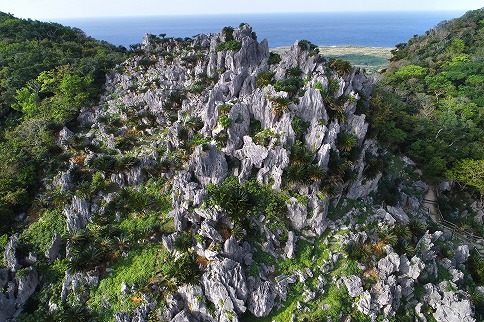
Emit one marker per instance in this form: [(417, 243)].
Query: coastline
[(370, 58)]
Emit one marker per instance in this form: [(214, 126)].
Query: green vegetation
[(245, 200), (228, 45), (429, 104), (48, 73)]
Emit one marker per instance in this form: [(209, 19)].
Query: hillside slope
[(215, 181)]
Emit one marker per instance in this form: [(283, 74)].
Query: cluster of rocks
[(158, 96)]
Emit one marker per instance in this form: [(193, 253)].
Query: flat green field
[(370, 58)]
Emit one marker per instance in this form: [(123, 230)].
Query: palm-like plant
[(388, 237), (300, 154), (315, 172), (346, 142)]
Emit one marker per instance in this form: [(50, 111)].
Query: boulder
[(398, 214), (354, 285), (254, 152), (208, 166), (297, 214), (290, 248), (389, 264), (77, 213), (9, 255), (364, 303), (461, 255), (225, 285), (53, 251), (261, 299), (27, 283)]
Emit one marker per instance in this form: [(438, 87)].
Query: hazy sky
[(45, 9)]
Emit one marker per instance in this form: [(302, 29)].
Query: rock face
[(78, 214), (209, 167), (353, 284), (9, 255), (53, 251), (261, 299), (225, 286)]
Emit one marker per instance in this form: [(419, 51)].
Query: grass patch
[(136, 269)]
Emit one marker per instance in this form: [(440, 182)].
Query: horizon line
[(241, 13)]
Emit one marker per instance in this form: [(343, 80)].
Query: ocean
[(372, 29)]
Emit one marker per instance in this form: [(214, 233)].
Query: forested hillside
[(47, 73), (430, 103)]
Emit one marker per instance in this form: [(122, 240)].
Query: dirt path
[(429, 201)]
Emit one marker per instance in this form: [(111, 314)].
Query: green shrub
[(279, 104), (290, 85), (264, 78), (224, 108), (241, 201), (274, 58), (410, 71), (224, 121), (299, 127), (40, 233), (185, 270), (341, 66), (105, 163), (294, 72), (306, 45), (228, 33), (228, 45), (146, 62), (346, 141)]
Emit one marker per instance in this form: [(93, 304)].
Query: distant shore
[(371, 58)]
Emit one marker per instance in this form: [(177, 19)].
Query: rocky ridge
[(195, 113)]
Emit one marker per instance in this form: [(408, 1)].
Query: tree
[(469, 172)]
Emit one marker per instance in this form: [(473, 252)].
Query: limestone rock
[(297, 214), (290, 245), (449, 306), (209, 167), (77, 213), (461, 255), (225, 285), (254, 152), (64, 136), (364, 303), (26, 285), (389, 264), (354, 286), (9, 255), (311, 107), (261, 300), (398, 214), (210, 232), (53, 251), (412, 268)]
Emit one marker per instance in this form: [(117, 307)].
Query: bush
[(279, 104), (290, 85), (105, 163), (228, 33), (185, 270), (224, 121), (264, 78), (241, 201), (341, 66), (228, 45), (274, 58), (306, 45)]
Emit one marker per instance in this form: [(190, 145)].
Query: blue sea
[(376, 29)]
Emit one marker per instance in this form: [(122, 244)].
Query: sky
[(50, 9)]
